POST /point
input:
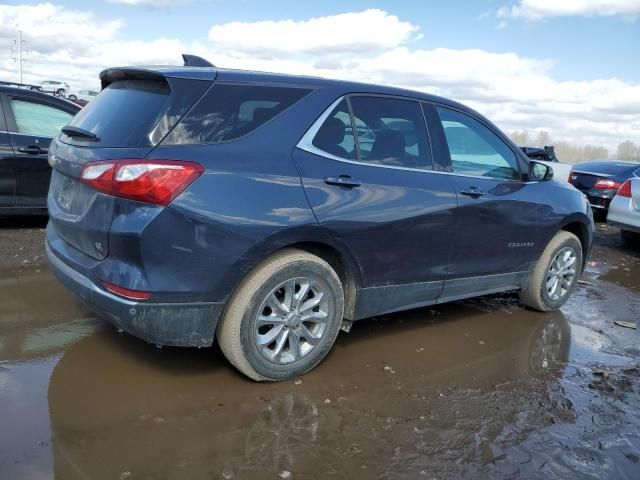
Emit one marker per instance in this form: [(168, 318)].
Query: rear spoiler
[(194, 67), (547, 153)]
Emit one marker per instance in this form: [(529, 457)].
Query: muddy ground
[(474, 389)]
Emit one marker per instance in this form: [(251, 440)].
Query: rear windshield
[(230, 111), (124, 112)]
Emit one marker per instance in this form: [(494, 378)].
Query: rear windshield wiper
[(79, 132)]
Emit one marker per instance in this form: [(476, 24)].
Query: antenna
[(195, 61)]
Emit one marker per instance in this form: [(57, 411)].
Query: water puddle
[(476, 386)]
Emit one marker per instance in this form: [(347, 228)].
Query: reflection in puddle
[(348, 415), (38, 317)]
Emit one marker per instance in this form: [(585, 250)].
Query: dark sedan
[(28, 122), (599, 180)]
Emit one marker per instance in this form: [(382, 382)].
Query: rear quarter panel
[(248, 203)]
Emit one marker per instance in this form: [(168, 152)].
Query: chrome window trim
[(306, 144), (25, 134)]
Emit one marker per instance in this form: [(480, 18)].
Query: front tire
[(556, 274), (283, 318), (73, 98)]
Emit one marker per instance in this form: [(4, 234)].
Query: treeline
[(570, 153)]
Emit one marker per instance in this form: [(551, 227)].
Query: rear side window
[(230, 111), (38, 119), (335, 136), (124, 112), (391, 132)]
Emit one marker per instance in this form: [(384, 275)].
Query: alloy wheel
[(292, 320)]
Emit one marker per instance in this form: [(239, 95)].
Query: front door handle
[(32, 149), (342, 181), (473, 192)]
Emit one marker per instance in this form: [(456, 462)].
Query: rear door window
[(391, 132), (124, 112), (230, 111), (38, 119), (335, 136)]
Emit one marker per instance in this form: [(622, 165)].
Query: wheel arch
[(313, 240), (580, 228)]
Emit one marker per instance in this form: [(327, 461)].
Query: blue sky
[(582, 48), (571, 68)]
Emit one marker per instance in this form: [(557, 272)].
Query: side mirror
[(539, 172)]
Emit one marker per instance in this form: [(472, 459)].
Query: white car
[(547, 156), (84, 95), (624, 211), (59, 89)]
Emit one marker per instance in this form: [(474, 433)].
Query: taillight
[(150, 181), (126, 292), (625, 189), (605, 184)]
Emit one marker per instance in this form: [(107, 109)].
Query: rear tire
[(283, 318), (632, 239), (556, 274)]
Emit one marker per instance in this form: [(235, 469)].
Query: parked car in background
[(257, 219), (59, 89), (624, 211), (82, 96), (601, 179), (547, 155), (28, 122)]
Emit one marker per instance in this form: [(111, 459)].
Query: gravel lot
[(478, 388)]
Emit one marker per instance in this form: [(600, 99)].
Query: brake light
[(126, 292), (152, 181), (607, 184), (625, 189)]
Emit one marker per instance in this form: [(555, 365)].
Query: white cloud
[(539, 9), (515, 92), (361, 32)]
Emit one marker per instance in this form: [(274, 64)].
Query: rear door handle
[(342, 181), (32, 149), (473, 192)]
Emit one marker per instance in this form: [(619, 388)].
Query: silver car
[(624, 210)]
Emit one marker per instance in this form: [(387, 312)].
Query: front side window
[(474, 149), (230, 111), (391, 132), (38, 119)]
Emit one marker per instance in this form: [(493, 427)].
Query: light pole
[(19, 52)]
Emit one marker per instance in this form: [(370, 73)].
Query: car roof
[(236, 75), (25, 92)]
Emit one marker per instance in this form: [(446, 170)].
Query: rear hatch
[(134, 111)]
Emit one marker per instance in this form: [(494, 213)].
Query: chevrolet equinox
[(266, 212)]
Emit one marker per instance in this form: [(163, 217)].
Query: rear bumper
[(623, 214), (600, 203), (176, 324)]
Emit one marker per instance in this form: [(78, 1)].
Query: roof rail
[(18, 84), (195, 61)]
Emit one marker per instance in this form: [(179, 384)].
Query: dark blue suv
[(189, 204)]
